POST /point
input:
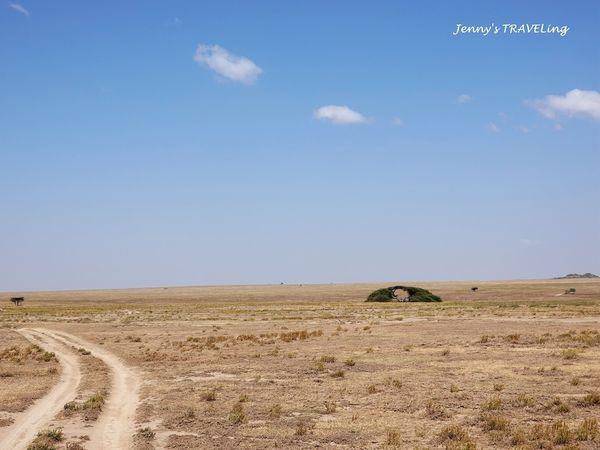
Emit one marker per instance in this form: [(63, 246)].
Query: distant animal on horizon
[(17, 301)]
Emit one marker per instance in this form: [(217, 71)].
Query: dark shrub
[(382, 295), (415, 294)]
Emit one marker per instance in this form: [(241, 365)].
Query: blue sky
[(126, 162)]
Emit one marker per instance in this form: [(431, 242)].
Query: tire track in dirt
[(116, 425), (20, 434)]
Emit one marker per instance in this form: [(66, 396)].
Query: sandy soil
[(511, 366), (38, 416), (115, 427)]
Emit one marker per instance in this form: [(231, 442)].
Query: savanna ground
[(514, 365)]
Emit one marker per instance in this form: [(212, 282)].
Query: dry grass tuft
[(558, 406), (338, 374), (512, 338), (588, 430), (393, 438), (302, 428), (237, 414), (569, 354), (74, 446), (330, 407), (146, 433), (492, 404), (372, 389), (524, 400), (561, 433), (494, 422), (47, 439), (435, 410), (519, 436), (591, 399), (456, 437), (209, 396), (299, 335), (393, 382), (19, 354), (275, 411), (91, 407)]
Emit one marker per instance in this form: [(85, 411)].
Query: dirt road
[(20, 434), (116, 425)]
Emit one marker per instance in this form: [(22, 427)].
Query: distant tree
[(474, 289), (17, 301), (382, 295), (415, 294)]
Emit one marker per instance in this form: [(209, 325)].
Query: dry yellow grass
[(26, 372), (305, 366)]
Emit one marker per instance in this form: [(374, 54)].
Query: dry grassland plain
[(514, 365)]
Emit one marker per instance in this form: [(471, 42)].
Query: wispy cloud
[(464, 98), (226, 64), (493, 127), (339, 115), (574, 102), (523, 129), (19, 8), (397, 121)]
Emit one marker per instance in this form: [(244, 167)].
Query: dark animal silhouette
[(17, 301)]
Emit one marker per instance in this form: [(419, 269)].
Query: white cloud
[(397, 121), (464, 98), (228, 65), (339, 115), (574, 102), (493, 127), (19, 8)]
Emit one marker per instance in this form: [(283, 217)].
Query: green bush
[(382, 295), (415, 294)]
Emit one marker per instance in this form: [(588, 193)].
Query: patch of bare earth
[(27, 372), (79, 415)]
